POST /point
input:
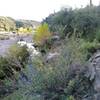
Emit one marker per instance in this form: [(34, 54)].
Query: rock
[(91, 73), (88, 98), (30, 47), (97, 96), (95, 67), (21, 43), (55, 38), (94, 74), (52, 56)]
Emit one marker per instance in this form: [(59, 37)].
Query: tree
[(42, 33)]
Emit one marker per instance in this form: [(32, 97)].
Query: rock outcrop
[(94, 73)]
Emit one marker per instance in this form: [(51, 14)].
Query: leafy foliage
[(42, 33), (18, 54), (4, 68), (84, 22), (24, 31), (64, 78), (16, 60), (22, 94), (89, 48)]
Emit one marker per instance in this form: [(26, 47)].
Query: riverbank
[(5, 44)]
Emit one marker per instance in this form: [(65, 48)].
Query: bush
[(42, 33), (18, 55), (25, 31), (16, 59), (5, 68), (98, 35), (65, 77), (22, 94), (70, 98)]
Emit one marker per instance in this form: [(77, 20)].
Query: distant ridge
[(10, 24), (28, 23)]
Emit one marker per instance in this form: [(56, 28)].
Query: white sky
[(37, 9)]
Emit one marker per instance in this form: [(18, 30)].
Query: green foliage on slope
[(84, 22)]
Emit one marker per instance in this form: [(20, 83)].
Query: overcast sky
[(37, 9)]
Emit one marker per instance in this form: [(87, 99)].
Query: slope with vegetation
[(67, 40), (83, 22)]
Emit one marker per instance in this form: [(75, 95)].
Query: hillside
[(7, 24), (10, 24), (26, 23)]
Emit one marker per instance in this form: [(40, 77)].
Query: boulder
[(94, 74), (52, 56), (55, 38)]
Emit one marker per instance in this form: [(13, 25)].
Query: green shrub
[(64, 77), (70, 98), (16, 59), (18, 55), (98, 35), (42, 33), (5, 68), (90, 47), (23, 94)]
